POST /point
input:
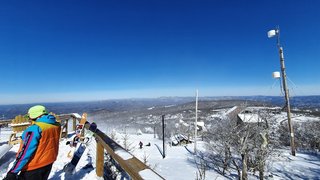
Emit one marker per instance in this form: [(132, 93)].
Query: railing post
[(100, 159), (74, 123), (66, 135)]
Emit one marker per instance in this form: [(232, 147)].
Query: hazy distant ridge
[(9, 111)]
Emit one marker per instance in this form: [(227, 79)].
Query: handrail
[(132, 165), (5, 122), (136, 169)]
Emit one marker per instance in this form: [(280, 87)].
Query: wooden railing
[(132, 166), (64, 121), (5, 122), (136, 169)]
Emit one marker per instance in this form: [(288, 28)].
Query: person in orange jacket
[(39, 147)]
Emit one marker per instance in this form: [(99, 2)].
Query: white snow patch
[(19, 124), (147, 174), (249, 118), (302, 118), (150, 108), (200, 123), (76, 115), (231, 110), (123, 154)]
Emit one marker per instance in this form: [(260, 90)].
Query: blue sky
[(93, 50)]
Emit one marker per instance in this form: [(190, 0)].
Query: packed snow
[(178, 163)]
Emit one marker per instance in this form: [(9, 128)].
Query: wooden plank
[(5, 122), (74, 123), (133, 172), (100, 160)]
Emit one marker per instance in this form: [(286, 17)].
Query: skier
[(140, 144), (39, 147)]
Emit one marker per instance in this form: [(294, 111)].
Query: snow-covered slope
[(178, 163)]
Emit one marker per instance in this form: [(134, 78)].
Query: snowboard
[(70, 167), (74, 142)]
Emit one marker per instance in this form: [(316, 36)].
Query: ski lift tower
[(272, 33)]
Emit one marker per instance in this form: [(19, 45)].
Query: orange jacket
[(40, 145)]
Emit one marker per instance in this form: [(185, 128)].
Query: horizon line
[(146, 98)]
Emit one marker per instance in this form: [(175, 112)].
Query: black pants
[(37, 174)]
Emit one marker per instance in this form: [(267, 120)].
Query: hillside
[(143, 123), (10, 111)]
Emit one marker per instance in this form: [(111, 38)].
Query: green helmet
[(36, 111)]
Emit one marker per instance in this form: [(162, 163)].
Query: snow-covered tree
[(243, 146)]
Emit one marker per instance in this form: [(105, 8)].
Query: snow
[(9, 155), (304, 165), (123, 154), (183, 123), (76, 115), (250, 114), (231, 110), (147, 174), (150, 108), (200, 123), (177, 164), (19, 124), (169, 105), (249, 118), (300, 118)]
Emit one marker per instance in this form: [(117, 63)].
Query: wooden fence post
[(74, 123), (66, 126), (100, 159)]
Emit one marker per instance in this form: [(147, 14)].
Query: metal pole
[(163, 143), (196, 123), (286, 92)]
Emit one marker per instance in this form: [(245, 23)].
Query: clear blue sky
[(91, 50)]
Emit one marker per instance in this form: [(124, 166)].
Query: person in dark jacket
[(39, 147)]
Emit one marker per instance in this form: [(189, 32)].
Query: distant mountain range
[(10, 111), (305, 102)]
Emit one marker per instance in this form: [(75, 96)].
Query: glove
[(11, 176)]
